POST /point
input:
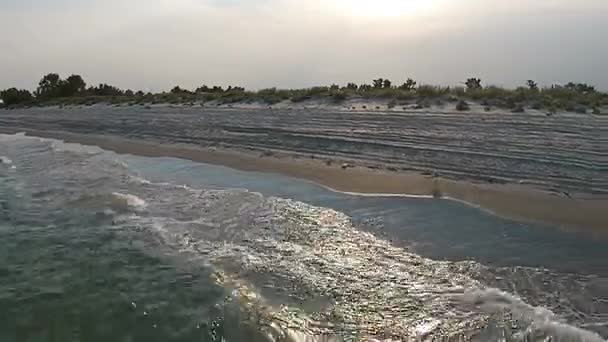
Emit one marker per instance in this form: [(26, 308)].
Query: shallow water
[(98, 247)]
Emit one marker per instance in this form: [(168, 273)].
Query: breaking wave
[(5, 160), (128, 201)]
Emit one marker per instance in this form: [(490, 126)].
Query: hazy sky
[(155, 44)]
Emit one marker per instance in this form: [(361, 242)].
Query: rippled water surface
[(104, 247)]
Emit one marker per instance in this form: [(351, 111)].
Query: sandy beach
[(508, 200)]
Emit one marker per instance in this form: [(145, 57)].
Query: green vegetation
[(462, 106), (14, 96), (574, 97)]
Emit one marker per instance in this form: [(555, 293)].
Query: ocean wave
[(128, 200), (9, 137), (139, 180), (109, 203), (5, 160), (62, 146), (542, 324), (374, 289), (278, 254)]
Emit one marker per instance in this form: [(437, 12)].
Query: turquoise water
[(101, 247)]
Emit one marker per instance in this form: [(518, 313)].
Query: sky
[(154, 45)]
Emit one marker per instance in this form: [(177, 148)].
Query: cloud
[(156, 44)]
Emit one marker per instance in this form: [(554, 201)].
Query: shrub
[(409, 85), (338, 96), (462, 106), (432, 91), (596, 110), (300, 98), (580, 109), (15, 96), (473, 83), (518, 109)]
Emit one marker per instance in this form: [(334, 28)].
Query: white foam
[(130, 200), (542, 322), (5, 160), (378, 194), (495, 300), (140, 180), (320, 249), (62, 146), (9, 137), (120, 163)]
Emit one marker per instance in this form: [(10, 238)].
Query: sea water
[(104, 247)]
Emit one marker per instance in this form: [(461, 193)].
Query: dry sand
[(508, 200)]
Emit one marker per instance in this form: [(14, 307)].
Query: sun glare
[(386, 8)]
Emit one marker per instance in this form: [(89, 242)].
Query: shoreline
[(513, 201)]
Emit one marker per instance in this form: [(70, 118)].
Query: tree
[(473, 83), (409, 85), (73, 85), (352, 86), (49, 86), (177, 90), (203, 89), (387, 84), (105, 90), (14, 96), (580, 87), (379, 83), (334, 87), (532, 85), (365, 87)]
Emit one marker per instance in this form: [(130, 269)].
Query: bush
[(580, 109), (14, 96), (596, 110), (462, 106), (300, 98), (432, 91), (338, 96), (518, 109)]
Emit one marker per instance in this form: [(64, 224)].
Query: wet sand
[(509, 200)]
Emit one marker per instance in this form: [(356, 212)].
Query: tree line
[(53, 87)]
